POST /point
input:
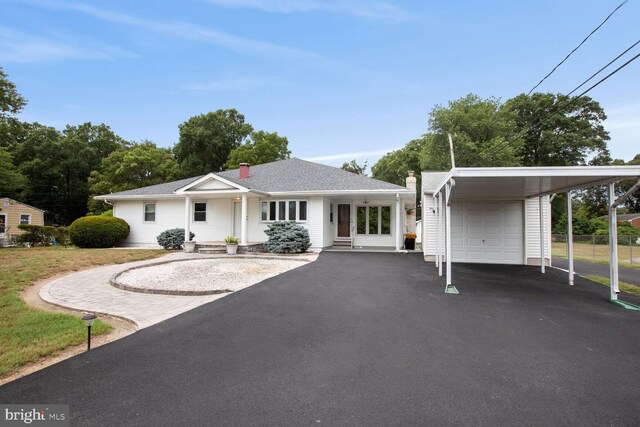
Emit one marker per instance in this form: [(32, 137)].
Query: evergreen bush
[(98, 231), (287, 237), (173, 238)]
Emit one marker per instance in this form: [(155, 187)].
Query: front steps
[(342, 243)]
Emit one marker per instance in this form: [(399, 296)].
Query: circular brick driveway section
[(91, 291)]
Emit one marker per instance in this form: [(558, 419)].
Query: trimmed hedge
[(38, 235), (98, 231), (287, 237), (173, 238)]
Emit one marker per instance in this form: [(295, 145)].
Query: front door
[(344, 220), (3, 225)]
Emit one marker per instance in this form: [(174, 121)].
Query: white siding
[(315, 224), (532, 230), (219, 223), (428, 227), (255, 227), (169, 214)]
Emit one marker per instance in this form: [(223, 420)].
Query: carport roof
[(526, 182)]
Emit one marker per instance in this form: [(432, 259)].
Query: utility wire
[(578, 47), (558, 107)]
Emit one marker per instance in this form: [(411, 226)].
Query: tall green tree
[(207, 140), (138, 165), (354, 167), (261, 147), (557, 130), (11, 103), (479, 129), (12, 182)]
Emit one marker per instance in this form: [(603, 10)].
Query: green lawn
[(26, 333), (598, 253), (624, 286)]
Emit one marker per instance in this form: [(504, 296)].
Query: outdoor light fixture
[(88, 321)]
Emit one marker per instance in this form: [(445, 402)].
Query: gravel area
[(205, 275)]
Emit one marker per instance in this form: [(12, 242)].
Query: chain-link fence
[(596, 247)]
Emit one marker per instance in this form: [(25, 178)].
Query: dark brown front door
[(344, 220)]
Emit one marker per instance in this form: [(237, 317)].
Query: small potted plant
[(232, 244)]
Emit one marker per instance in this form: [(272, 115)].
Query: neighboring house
[(337, 207), (633, 219), (14, 213)]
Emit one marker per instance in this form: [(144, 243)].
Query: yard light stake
[(88, 321)]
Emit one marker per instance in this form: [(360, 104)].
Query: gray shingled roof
[(430, 180), (292, 175)]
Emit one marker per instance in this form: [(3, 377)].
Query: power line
[(577, 47), (558, 107)]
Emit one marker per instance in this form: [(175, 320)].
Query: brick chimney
[(244, 170)]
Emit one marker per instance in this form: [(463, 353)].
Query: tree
[(262, 147), (633, 202), (12, 182), (354, 167), (11, 102), (138, 165), (557, 130), (207, 140), (479, 128)]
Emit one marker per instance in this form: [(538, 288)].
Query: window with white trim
[(200, 212), (25, 218), (283, 210), (373, 220), (149, 212)]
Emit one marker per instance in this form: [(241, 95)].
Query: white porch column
[(440, 233), (613, 242), (542, 236), (243, 221), (436, 212), (187, 219), (398, 224), (570, 236), (448, 231)]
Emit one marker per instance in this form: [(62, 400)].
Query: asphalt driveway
[(367, 339), (625, 274)]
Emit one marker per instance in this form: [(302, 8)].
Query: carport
[(498, 200)]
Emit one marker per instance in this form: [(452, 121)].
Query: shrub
[(173, 238), (98, 231), (231, 240), (36, 235), (287, 237), (107, 213)]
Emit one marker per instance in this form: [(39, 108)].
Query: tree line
[(61, 171)]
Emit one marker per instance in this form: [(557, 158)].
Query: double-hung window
[(284, 210), (149, 212), (200, 212), (25, 218)]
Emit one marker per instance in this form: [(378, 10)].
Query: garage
[(503, 215), (487, 232)]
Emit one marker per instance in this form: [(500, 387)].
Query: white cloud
[(16, 46), (361, 9), (183, 30), (350, 156)]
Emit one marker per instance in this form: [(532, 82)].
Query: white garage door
[(487, 232)]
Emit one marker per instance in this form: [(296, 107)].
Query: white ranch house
[(338, 208)]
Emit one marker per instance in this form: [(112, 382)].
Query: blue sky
[(341, 79)]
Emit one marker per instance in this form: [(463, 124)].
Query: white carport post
[(570, 236), (613, 242), (542, 237), (398, 224), (448, 230), (243, 220), (187, 219), (436, 212), (440, 233)]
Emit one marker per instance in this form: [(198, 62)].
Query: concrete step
[(212, 250)]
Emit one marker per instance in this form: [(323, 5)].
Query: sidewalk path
[(629, 275), (91, 291)]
